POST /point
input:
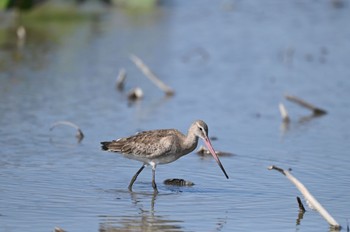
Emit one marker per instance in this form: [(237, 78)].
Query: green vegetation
[(3, 4)]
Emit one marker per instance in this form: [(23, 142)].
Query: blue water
[(230, 64)]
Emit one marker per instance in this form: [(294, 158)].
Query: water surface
[(230, 63)]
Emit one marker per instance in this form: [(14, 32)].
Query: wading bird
[(161, 147)]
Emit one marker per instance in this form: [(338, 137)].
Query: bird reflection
[(145, 220)]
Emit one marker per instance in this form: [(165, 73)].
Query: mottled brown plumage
[(161, 146)]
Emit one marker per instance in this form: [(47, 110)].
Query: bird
[(155, 147)]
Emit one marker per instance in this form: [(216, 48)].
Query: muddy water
[(230, 64)]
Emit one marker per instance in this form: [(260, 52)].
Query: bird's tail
[(105, 145)]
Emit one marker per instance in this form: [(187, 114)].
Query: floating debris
[(313, 203), (203, 151), (178, 182), (316, 111), (121, 79), (151, 76), (135, 94), (79, 135)]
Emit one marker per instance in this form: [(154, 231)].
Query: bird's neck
[(190, 142)]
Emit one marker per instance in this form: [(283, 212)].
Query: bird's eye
[(201, 128)]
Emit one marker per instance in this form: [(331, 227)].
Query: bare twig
[(284, 113), (121, 79), (300, 204), (309, 198), (150, 75), (314, 109), (79, 134)]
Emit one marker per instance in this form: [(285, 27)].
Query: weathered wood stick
[(314, 109), (150, 75), (301, 211), (284, 113), (79, 134), (300, 204), (308, 197)]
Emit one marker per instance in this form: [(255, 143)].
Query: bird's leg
[(154, 185), (135, 177)]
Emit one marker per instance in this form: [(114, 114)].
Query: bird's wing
[(146, 144)]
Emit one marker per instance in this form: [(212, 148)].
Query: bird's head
[(200, 129)]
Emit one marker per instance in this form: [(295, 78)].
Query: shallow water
[(230, 63)]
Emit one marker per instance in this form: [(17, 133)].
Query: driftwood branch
[(79, 134), (301, 211), (151, 76), (314, 109), (308, 197), (300, 204)]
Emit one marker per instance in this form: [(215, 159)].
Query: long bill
[(216, 157)]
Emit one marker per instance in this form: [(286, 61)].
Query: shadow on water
[(145, 220)]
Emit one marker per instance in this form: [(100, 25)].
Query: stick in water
[(79, 134), (284, 113), (308, 197), (150, 75), (301, 211), (121, 79), (314, 109), (300, 204)]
